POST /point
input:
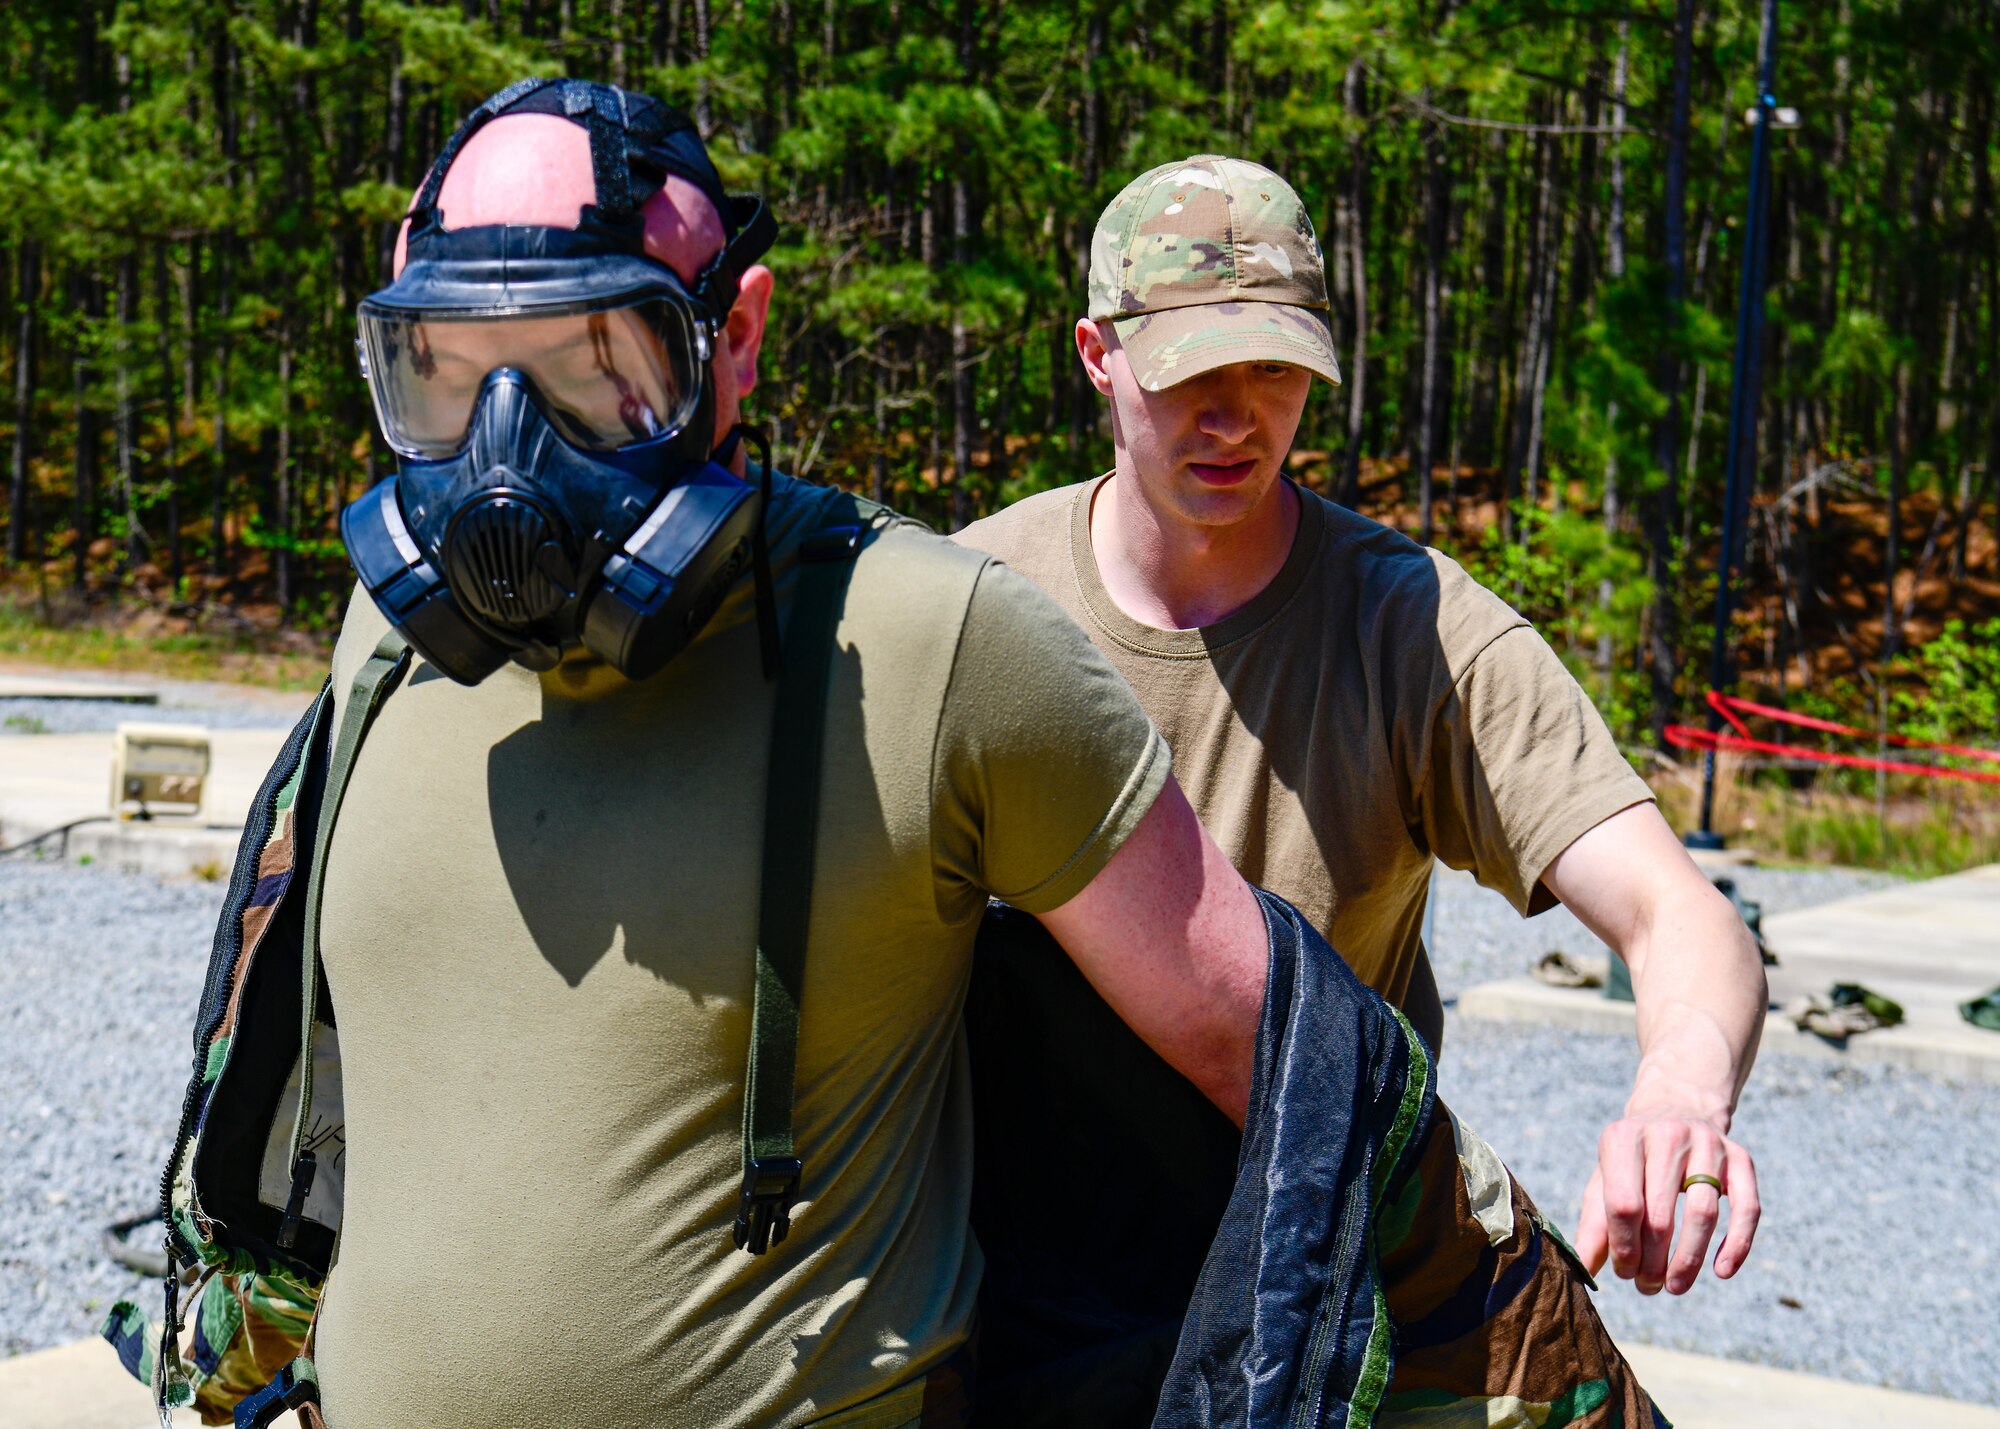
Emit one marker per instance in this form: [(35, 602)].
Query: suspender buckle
[(295, 1204), (764, 1211)]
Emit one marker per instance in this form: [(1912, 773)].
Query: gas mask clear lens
[(607, 377)]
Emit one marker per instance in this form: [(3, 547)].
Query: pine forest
[(1534, 215)]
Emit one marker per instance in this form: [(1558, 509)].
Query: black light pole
[(1740, 456)]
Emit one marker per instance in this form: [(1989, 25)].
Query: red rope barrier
[(1727, 705), (1731, 709)]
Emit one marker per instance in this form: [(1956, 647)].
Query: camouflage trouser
[(240, 1330), (1494, 1321)]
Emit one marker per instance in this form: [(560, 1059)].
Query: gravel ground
[(1875, 1258), (1879, 1185), (39, 716), (100, 974), (1478, 938)]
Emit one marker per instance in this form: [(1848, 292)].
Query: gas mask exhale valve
[(546, 392)]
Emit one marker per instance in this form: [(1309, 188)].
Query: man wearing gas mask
[(540, 918)]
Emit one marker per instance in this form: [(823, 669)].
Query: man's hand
[(1172, 937), (1628, 1208), (1700, 990)]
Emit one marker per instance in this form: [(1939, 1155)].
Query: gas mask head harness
[(546, 392)]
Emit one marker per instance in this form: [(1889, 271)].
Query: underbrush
[(142, 639), (1919, 828)]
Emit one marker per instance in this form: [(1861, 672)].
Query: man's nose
[(1226, 411)]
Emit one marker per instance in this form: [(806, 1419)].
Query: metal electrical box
[(158, 768)]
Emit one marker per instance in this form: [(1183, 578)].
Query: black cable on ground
[(148, 1260), (61, 830)]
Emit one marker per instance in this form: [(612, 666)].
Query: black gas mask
[(546, 392)]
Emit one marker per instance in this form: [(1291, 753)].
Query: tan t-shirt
[(1371, 707), (541, 906)]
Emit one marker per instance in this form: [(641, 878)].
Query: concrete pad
[(1929, 945), (52, 778), (1722, 860), (47, 780), (23, 679), (79, 1386), (1965, 1053), (39, 687), (82, 1386), (1697, 1392)]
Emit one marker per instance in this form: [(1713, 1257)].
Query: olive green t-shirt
[(541, 908), (1372, 707)]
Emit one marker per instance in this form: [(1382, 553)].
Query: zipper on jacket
[(228, 952), (1332, 1316), (1313, 1374)]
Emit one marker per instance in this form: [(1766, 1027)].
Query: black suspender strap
[(772, 1171), (372, 684)]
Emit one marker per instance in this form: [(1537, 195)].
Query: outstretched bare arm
[(1699, 985)]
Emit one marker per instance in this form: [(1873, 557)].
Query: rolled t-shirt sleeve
[(1044, 761), (1521, 766)]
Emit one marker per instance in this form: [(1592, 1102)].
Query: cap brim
[(1168, 347)]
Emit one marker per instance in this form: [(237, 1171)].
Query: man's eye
[(1274, 369)]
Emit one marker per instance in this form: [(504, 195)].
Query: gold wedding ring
[(1702, 1178)]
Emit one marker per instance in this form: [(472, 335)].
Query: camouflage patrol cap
[(1206, 262)]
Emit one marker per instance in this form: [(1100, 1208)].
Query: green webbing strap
[(771, 1168), (371, 686)]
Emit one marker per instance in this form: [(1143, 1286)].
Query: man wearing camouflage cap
[(1344, 706)]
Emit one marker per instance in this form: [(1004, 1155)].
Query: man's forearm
[(1699, 986), (1696, 976), (1700, 990)]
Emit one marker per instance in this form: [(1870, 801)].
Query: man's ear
[(1090, 346), (744, 331)]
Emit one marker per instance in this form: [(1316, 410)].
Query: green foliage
[(1925, 840), (1953, 694), (1558, 573), (199, 193), (1858, 347)]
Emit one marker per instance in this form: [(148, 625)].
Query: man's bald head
[(535, 170)]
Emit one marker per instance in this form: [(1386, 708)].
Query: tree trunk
[(170, 472), (964, 415), (223, 81), (704, 121), (392, 159), (1437, 199), (963, 418), (1614, 268), (1546, 329), (1530, 367), (1663, 513), (218, 502), (128, 279), (1899, 432), (20, 499), (1084, 403), (878, 489), (1987, 231), (1355, 98), (281, 513), (83, 494), (1483, 405)]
